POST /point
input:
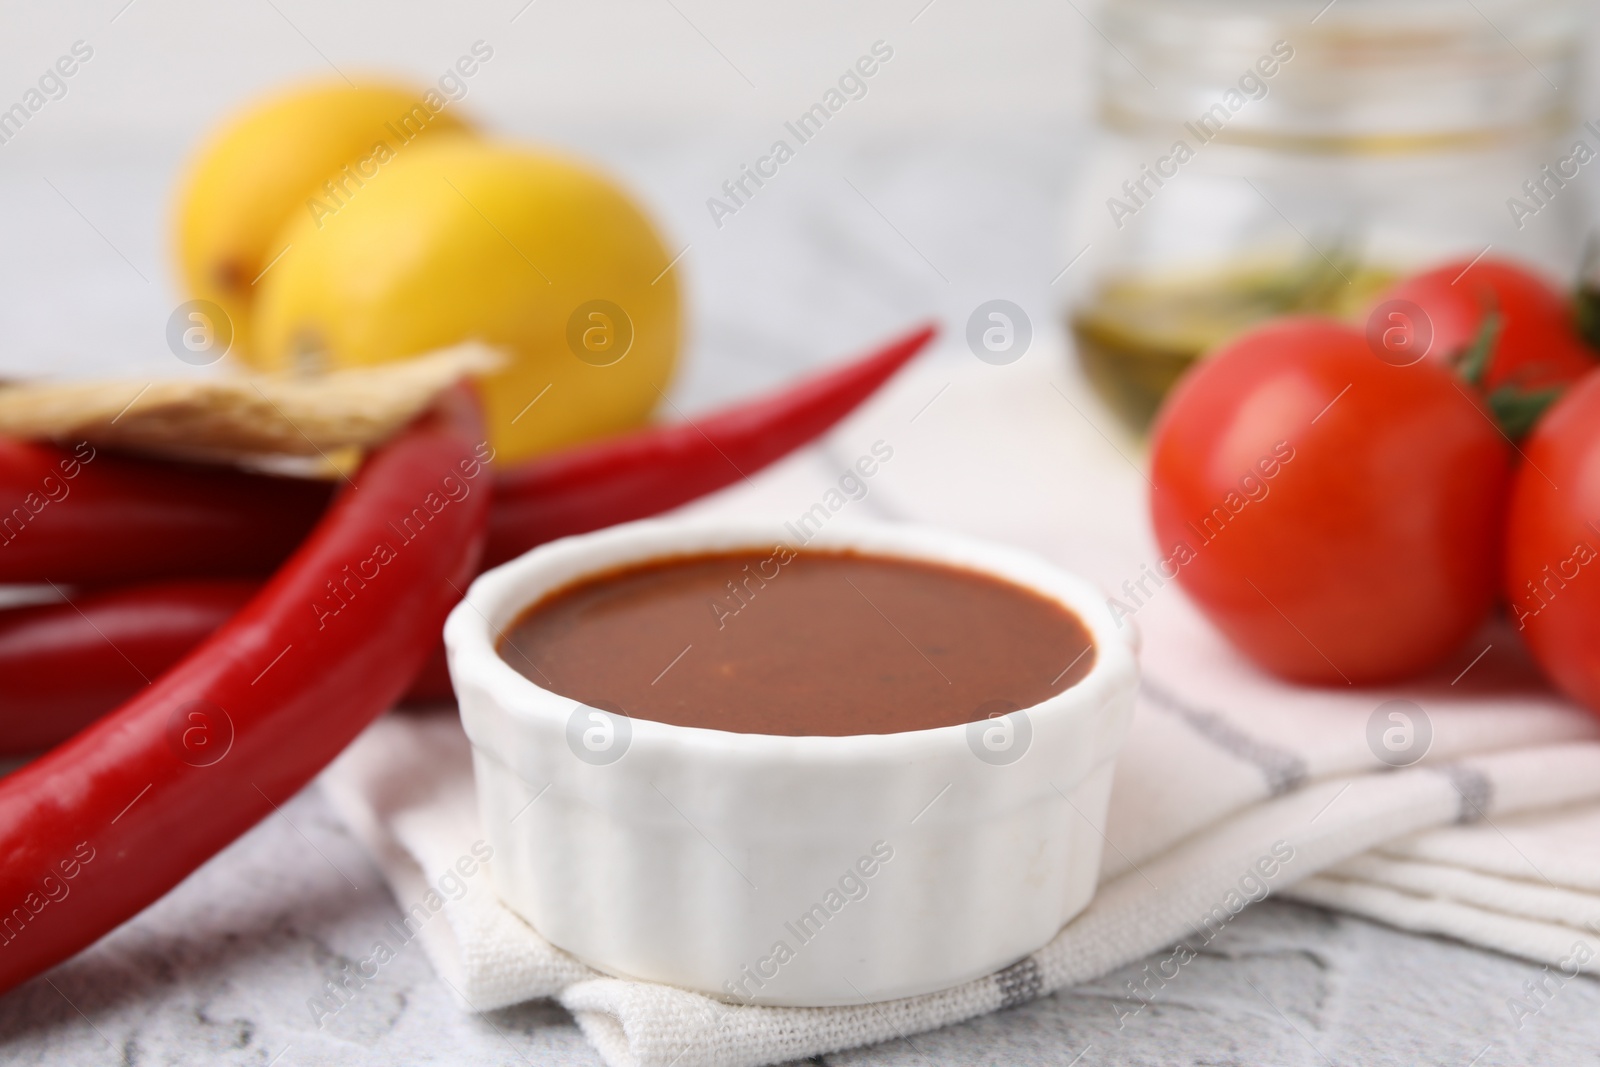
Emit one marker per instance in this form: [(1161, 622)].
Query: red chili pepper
[(432, 683), (99, 828), (648, 471), (79, 515), (574, 491), (64, 665)]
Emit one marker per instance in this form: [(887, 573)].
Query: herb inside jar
[(1138, 333)]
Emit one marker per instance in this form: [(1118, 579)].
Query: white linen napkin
[(1232, 786)]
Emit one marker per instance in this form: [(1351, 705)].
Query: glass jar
[(1259, 157)]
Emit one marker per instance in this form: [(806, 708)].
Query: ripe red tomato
[(1536, 346), (1336, 516), (1552, 568)]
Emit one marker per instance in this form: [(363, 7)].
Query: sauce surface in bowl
[(800, 643)]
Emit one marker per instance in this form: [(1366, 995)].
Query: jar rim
[(1346, 76)]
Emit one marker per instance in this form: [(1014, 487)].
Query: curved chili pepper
[(80, 515), (582, 489), (97, 829), (64, 665), (432, 683), (648, 471)]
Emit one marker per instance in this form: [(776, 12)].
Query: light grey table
[(857, 239)]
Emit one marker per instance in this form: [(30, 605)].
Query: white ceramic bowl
[(787, 870)]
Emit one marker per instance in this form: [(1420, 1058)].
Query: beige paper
[(324, 418)]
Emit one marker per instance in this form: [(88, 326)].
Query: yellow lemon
[(461, 239), (298, 152)]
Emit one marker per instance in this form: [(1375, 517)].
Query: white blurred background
[(957, 155), (943, 187)]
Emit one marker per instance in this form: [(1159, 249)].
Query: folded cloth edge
[(635, 1025)]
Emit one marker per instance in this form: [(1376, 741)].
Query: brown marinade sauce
[(800, 643)]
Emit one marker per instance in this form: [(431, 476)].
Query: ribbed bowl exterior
[(789, 870)]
